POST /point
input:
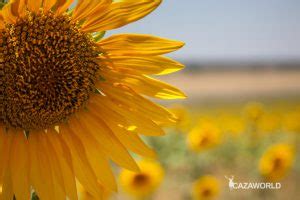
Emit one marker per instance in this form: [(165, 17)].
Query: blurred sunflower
[(232, 124), (206, 188), (204, 136), (144, 183), (253, 111), (291, 121), (70, 100), (269, 123), (277, 161)]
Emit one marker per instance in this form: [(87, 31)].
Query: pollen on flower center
[(141, 180), (47, 70), (207, 192), (277, 164)]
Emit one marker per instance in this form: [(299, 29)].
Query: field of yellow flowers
[(250, 141)]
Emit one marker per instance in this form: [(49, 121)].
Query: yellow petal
[(118, 14), (34, 5), (19, 166), (5, 176), (2, 151), (123, 95), (145, 85), (57, 174), (48, 4), (138, 45), (65, 163), (2, 24), (10, 12), (62, 6), (17, 6), (129, 139), (85, 8), (82, 168), (40, 170), (7, 188), (110, 144), (153, 88), (125, 116), (133, 142), (157, 65), (97, 159), (38, 176)]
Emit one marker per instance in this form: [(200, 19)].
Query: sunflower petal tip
[(183, 95), (181, 44), (158, 2), (179, 95)]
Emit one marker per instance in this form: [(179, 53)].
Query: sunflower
[(144, 183), (71, 100), (269, 123), (291, 121), (254, 111), (232, 124), (277, 161), (204, 136), (206, 188)]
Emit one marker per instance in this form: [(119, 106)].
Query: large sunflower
[(72, 101)]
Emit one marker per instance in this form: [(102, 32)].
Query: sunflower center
[(47, 70), (277, 164), (204, 141), (141, 180), (206, 192)]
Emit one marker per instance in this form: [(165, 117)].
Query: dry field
[(237, 84)]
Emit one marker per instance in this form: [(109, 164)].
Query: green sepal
[(97, 91), (34, 197), (70, 11), (2, 4), (99, 35)]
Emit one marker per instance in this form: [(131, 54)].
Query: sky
[(227, 29)]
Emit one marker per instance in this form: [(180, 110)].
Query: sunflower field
[(248, 140)]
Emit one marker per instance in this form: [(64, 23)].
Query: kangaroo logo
[(231, 182)]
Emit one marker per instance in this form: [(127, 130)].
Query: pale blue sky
[(227, 29)]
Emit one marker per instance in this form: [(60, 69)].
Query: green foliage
[(35, 197), (1, 5)]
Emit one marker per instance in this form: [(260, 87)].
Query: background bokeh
[(242, 114)]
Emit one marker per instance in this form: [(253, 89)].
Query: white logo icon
[(251, 185), (230, 183)]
